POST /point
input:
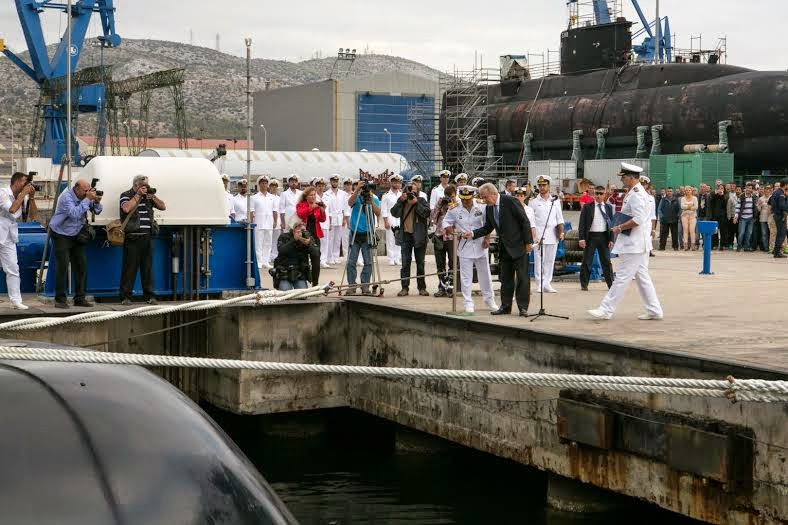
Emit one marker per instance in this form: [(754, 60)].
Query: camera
[(30, 176), (99, 193), (445, 201), (410, 191), (151, 190)]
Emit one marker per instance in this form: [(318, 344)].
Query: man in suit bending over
[(506, 216), (595, 235)]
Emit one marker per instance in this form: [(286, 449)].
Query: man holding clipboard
[(632, 226)]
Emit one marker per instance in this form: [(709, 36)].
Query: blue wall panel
[(374, 113)]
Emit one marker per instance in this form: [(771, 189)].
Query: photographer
[(413, 211), (138, 205), (12, 199), (70, 232), (442, 243), (296, 248), (361, 226), (312, 212)]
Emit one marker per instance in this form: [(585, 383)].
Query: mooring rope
[(755, 390), (260, 298)]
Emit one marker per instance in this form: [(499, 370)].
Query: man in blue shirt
[(69, 219), (361, 228)]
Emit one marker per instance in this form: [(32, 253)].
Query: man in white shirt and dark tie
[(595, 236)]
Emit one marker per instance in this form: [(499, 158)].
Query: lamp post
[(265, 137), (11, 121), (385, 130), (249, 278)]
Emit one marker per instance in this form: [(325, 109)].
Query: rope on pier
[(754, 390), (260, 298)]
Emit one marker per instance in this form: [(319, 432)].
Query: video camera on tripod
[(368, 188)]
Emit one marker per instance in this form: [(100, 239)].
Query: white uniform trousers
[(325, 246), (632, 265), (545, 266), (335, 242), (274, 241), (11, 269), (345, 240), (262, 246), (393, 252), (482, 273)]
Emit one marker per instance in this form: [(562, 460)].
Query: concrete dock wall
[(706, 459)]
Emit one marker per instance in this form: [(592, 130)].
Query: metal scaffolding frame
[(424, 141)]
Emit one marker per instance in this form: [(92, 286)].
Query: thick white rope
[(732, 389), (260, 298)]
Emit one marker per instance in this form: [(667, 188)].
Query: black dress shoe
[(780, 256), (584, 288), (84, 303), (61, 304), (501, 311)]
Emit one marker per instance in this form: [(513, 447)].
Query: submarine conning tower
[(593, 47)]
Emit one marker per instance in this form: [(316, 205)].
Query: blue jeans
[(285, 285), (764, 236), (745, 233), (366, 253)]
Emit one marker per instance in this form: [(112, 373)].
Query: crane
[(48, 74), (658, 45)]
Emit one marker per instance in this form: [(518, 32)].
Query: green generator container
[(690, 169)]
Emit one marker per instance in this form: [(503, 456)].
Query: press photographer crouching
[(137, 207), (70, 231), (297, 248)]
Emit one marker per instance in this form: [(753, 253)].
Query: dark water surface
[(341, 467)]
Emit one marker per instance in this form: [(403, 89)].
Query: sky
[(445, 35)]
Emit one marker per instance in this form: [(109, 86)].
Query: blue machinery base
[(209, 261)]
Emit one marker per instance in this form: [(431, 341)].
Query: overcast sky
[(442, 34)]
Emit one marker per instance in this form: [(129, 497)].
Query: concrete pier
[(707, 459)]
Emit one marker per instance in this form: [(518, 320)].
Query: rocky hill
[(215, 85)]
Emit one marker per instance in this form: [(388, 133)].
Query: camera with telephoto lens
[(99, 193), (410, 191), (30, 175), (151, 190), (445, 201)]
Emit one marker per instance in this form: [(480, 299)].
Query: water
[(340, 467)]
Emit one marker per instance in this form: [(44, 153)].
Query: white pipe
[(68, 94), (249, 278)]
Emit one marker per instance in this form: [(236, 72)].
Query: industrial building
[(350, 114)]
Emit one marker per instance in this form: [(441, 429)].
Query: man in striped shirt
[(744, 217), (138, 204)]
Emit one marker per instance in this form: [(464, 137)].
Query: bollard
[(707, 229)]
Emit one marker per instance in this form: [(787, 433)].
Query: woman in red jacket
[(311, 210)]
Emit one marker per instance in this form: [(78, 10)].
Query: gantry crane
[(49, 75)]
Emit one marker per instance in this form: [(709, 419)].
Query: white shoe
[(538, 290), (19, 306), (325, 266), (491, 305), (650, 317), (550, 290), (392, 263), (599, 314), (469, 310)]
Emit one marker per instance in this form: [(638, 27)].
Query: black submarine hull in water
[(687, 99), (103, 444)]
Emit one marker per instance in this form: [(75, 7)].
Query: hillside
[(214, 91)]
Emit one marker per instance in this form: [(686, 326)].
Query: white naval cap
[(242, 181), (292, 176), (417, 177), (461, 176), (225, 176), (334, 176), (319, 180), (475, 181), (544, 179), (445, 173), (396, 176), (644, 179), (347, 180), (630, 169), (261, 178)]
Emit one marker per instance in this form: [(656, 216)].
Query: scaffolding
[(424, 141)]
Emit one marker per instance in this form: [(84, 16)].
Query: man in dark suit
[(507, 217), (511, 185), (595, 235)]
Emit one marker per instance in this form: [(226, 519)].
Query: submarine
[(734, 109), (109, 445)]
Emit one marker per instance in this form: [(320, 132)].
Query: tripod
[(542, 312), (372, 240)]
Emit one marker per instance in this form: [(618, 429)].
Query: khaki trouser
[(688, 223), (773, 233)]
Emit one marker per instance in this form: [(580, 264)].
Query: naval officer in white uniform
[(391, 223), (12, 198), (550, 223), (471, 252), (632, 250)]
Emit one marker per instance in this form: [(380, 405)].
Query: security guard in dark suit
[(595, 235)]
